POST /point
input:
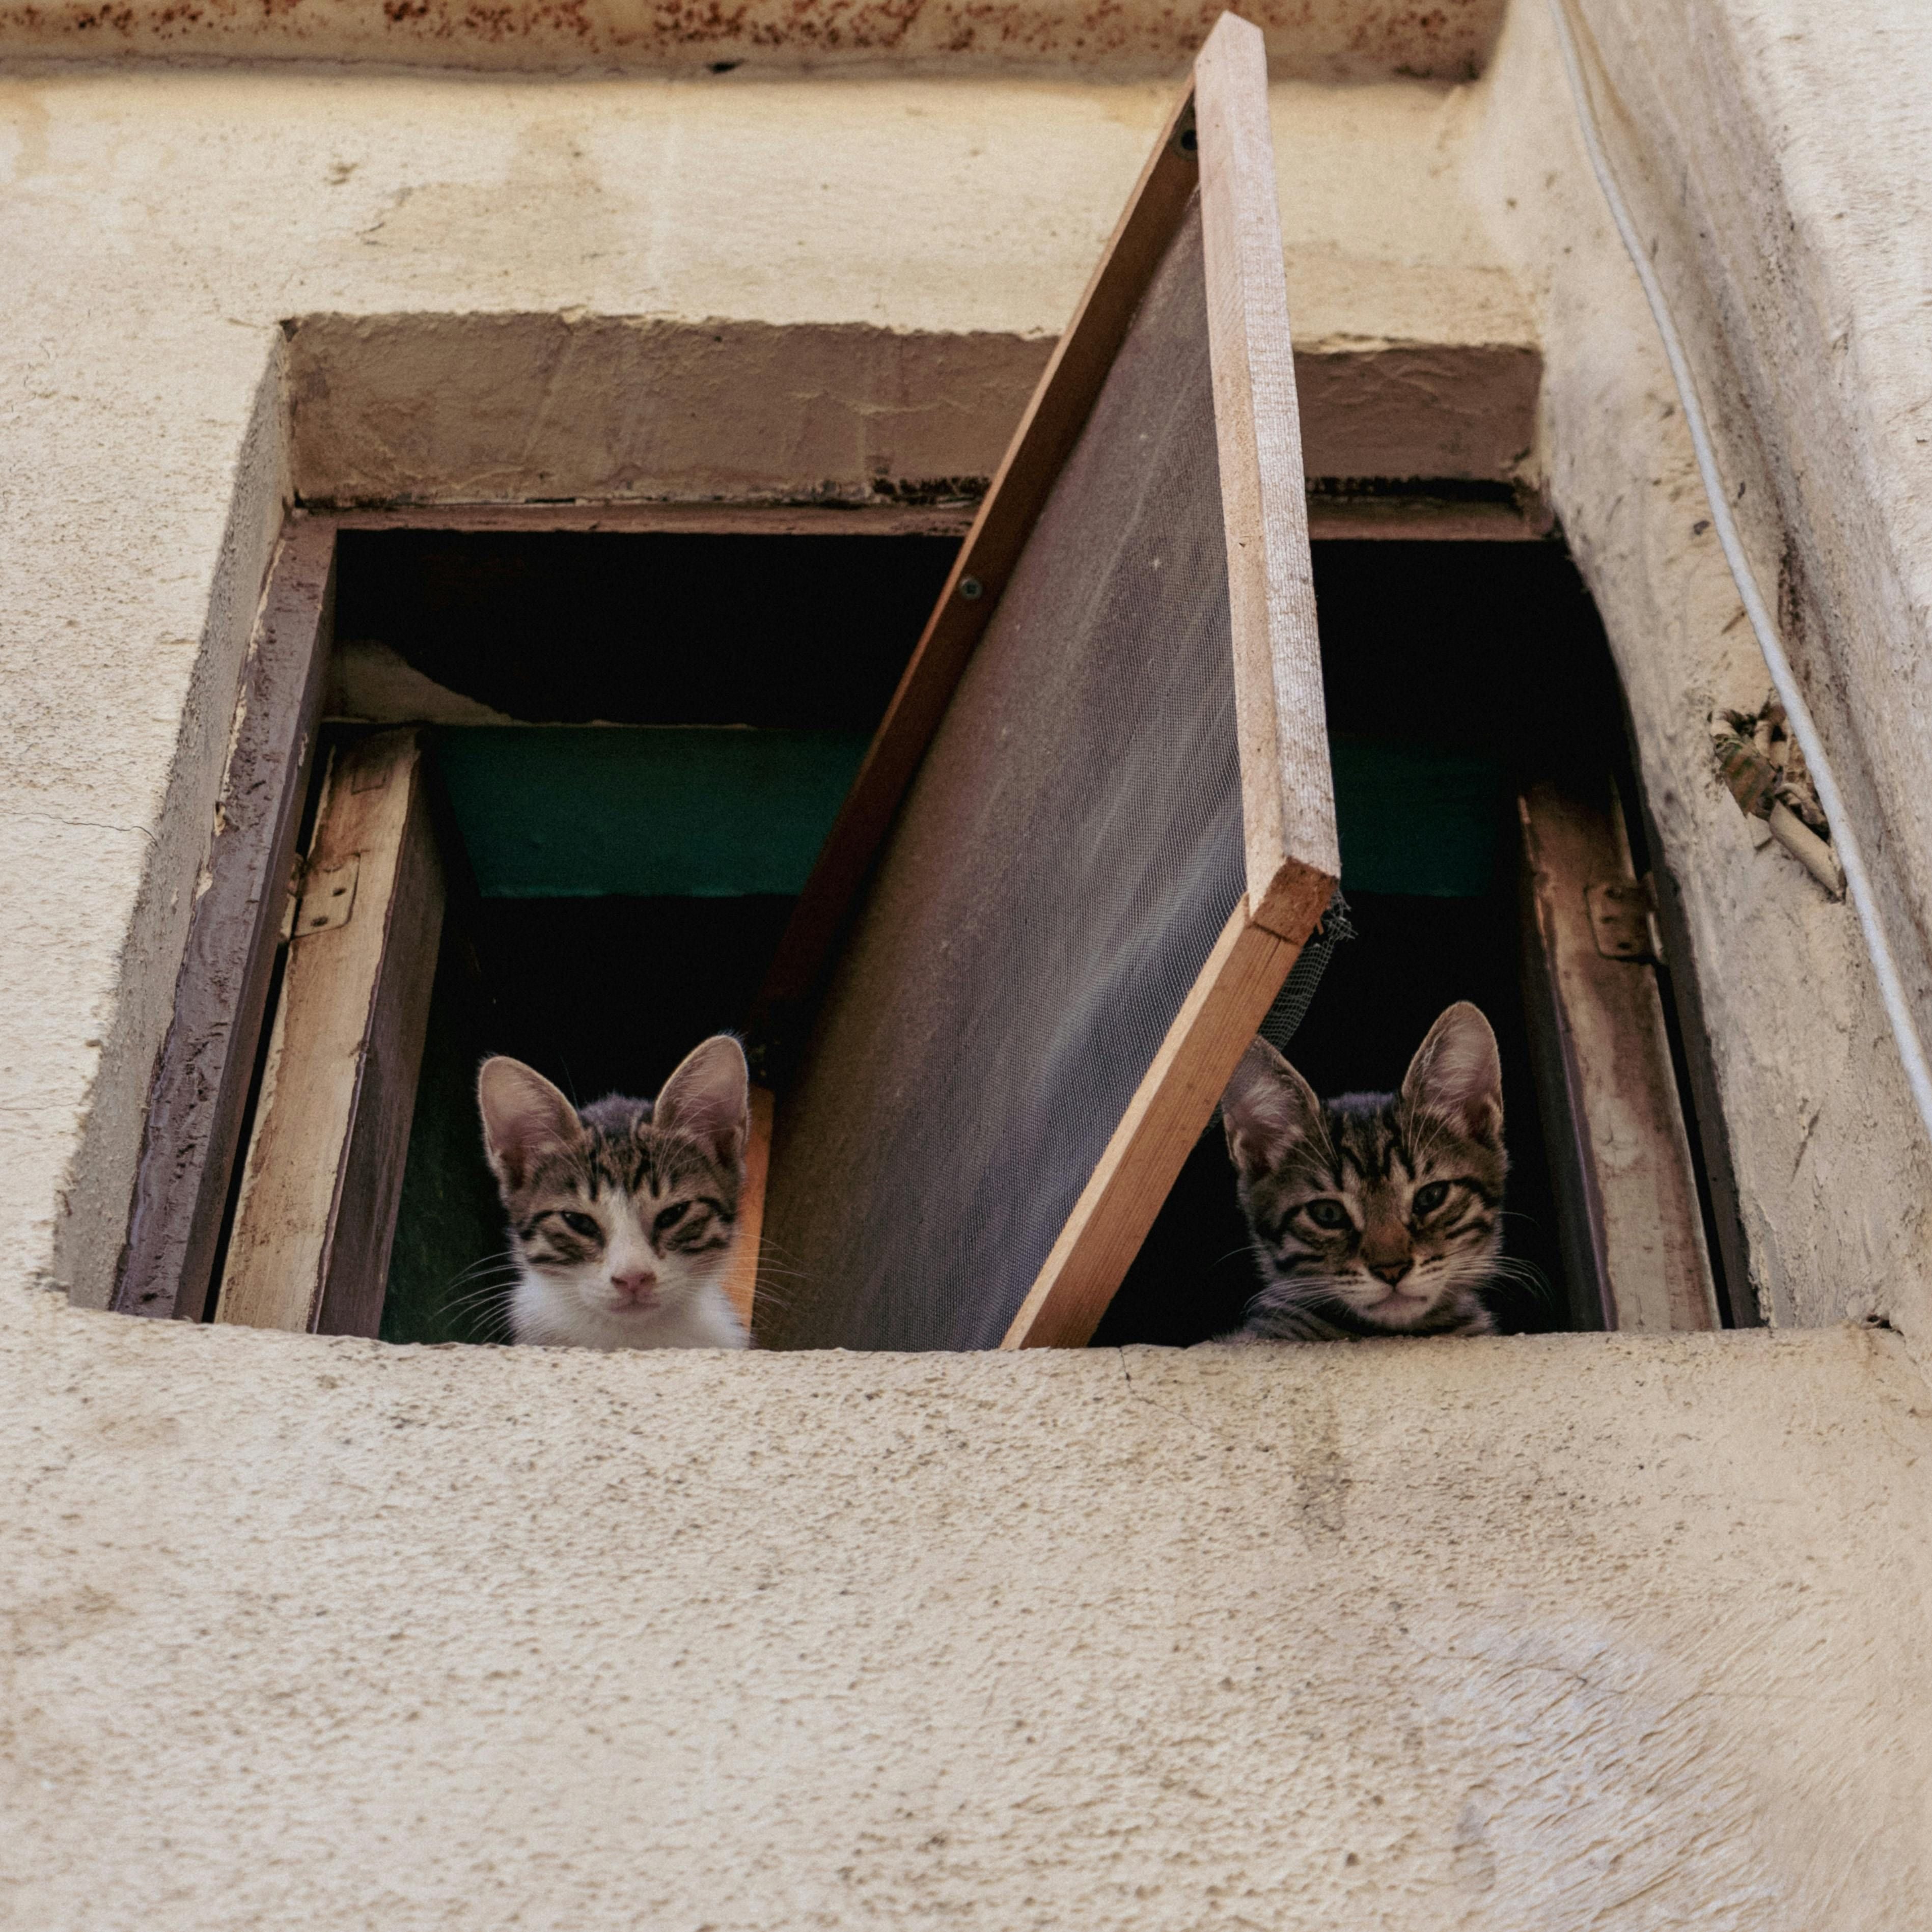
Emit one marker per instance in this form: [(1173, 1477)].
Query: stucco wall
[(1536, 1634), (1533, 1633)]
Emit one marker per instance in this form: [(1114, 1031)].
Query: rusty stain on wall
[(1449, 40)]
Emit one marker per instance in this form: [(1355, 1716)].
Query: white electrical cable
[(1891, 989)]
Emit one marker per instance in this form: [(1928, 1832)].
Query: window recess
[(996, 902), (628, 729), (1474, 708)]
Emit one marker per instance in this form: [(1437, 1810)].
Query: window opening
[(612, 763), (673, 720), (1457, 673), (1460, 676)]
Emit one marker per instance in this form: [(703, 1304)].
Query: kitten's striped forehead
[(623, 1152), (1365, 1138), (1372, 1140), (1376, 1137)]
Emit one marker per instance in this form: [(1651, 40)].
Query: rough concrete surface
[(1538, 1634), (507, 408), (1327, 40)]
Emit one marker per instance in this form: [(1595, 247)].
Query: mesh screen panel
[(1068, 854)]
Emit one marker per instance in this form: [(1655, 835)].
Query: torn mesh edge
[(1285, 1017)]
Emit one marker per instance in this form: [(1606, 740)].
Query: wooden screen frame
[(1217, 138)]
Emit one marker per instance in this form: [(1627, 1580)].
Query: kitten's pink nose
[(634, 1287), (1392, 1272)]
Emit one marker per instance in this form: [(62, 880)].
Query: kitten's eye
[(1330, 1214), (585, 1225), (1428, 1199), (672, 1215)]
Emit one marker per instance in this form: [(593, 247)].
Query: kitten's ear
[(1266, 1108), (708, 1099), (1458, 1072), (523, 1115)]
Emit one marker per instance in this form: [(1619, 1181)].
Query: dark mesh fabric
[(1069, 852), (1284, 1018)]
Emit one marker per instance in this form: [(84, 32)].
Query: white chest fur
[(545, 1316)]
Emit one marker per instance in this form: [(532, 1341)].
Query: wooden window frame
[(1631, 1224), (1634, 1278), (312, 1205)]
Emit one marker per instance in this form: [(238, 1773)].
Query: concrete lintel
[(425, 408)]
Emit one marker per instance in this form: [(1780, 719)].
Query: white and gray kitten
[(622, 1217), (1373, 1213)]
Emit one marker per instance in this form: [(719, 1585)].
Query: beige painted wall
[(1538, 1633)]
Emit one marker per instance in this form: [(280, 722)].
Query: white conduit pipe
[(1844, 838)]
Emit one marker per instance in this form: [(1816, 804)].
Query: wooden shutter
[(199, 1100), (316, 1210)]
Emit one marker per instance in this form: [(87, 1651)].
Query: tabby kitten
[(622, 1216), (1375, 1213)]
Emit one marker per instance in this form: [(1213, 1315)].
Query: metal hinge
[(1620, 917), (328, 897)]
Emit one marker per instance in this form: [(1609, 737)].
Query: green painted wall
[(592, 812), (589, 811), (1415, 819)]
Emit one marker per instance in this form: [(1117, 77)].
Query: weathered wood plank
[(317, 1214), (1394, 517), (1288, 798), (200, 1089), (1420, 519), (1619, 1154), (749, 520)]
